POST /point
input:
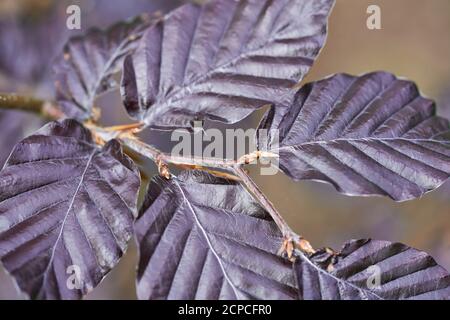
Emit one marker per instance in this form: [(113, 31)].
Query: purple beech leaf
[(371, 270), (367, 135), (202, 237), (66, 206), (85, 69), (222, 60)]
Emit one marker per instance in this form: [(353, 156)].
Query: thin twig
[(43, 108), (156, 155), (291, 239), (125, 134), (265, 202), (219, 174), (132, 127)]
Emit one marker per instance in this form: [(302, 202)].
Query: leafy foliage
[(367, 135), (65, 202), (31, 38), (402, 272), (222, 60), (86, 67), (68, 193), (30, 41), (202, 237)]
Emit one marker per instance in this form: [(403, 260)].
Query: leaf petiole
[(291, 239), (46, 109)]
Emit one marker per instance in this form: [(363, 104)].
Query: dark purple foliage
[(69, 199), (403, 273), (222, 60), (65, 202), (368, 135), (202, 237), (85, 68), (31, 40)]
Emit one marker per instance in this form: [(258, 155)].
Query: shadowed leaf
[(86, 67)]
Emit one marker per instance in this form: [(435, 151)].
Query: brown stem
[(265, 202), (43, 108), (156, 155), (219, 174), (292, 240), (132, 127), (125, 133)]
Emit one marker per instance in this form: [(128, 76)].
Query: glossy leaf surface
[(85, 68), (368, 135), (66, 211), (222, 60), (201, 237), (372, 270)]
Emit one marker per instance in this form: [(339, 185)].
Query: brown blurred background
[(414, 43)]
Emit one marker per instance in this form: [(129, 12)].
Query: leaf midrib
[(335, 140), (181, 91), (304, 258), (50, 262), (106, 70), (208, 241)]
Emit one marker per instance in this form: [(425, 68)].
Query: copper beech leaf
[(371, 270), (66, 210), (222, 60), (203, 237), (367, 135), (85, 68)]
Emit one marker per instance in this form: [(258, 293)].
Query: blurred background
[(414, 43)]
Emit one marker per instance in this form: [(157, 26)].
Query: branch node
[(43, 108), (295, 242), (163, 168)]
